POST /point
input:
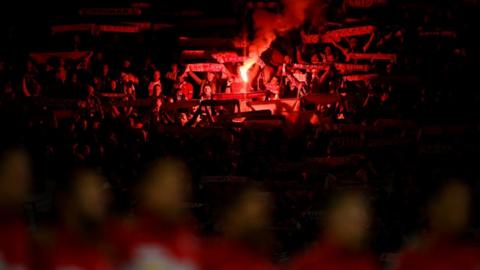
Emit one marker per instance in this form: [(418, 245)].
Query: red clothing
[(147, 242), (73, 251), (440, 255), (228, 255), (331, 257), (14, 243)]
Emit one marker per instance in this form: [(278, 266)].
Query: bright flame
[(243, 73), (246, 66)]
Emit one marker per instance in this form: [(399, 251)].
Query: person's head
[(287, 59), (97, 81), (174, 67), (129, 89), (113, 85), (207, 91), (449, 208), (30, 66), (99, 56), (90, 90), (328, 50), (126, 63), (210, 76), (124, 77), (389, 68), (105, 69), (157, 90), (74, 78), (183, 119), (15, 177), (348, 220), (314, 58), (61, 74), (275, 80), (83, 197), (246, 213), (164, 189), (156, 75), (353, 42)]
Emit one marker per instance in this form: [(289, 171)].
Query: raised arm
[(194, 76), (324, 76), (25, 90), (369, 42), (299, 56), (341, 48)]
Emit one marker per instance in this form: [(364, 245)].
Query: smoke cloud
[(268, 26)]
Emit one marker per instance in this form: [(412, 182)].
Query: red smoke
[(268, 25)]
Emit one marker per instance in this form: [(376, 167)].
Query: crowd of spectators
[(405, 124)]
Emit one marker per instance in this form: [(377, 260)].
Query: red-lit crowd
[(159, 232)]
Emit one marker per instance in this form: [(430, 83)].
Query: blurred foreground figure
[(159, 236), (442, 247), (244, 245), (15, 181), (342, 246), (78, 241)]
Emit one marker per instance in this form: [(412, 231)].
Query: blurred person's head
[(30, 66), (174, 67), (348, 220), (99, 56), (126, 64), (314, 58), (275, 80), (61, 74), (164, 189), (15, 177), (156, 75), (83, 198), (246, 214), (105, 69), (328, 50), (210, 76), (74, 78), (389, 68), (449, 208), (113, 85), (353, 42), (90, 90), (129, 89)]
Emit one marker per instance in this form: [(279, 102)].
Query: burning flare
[(245, 67), (268, 25)]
